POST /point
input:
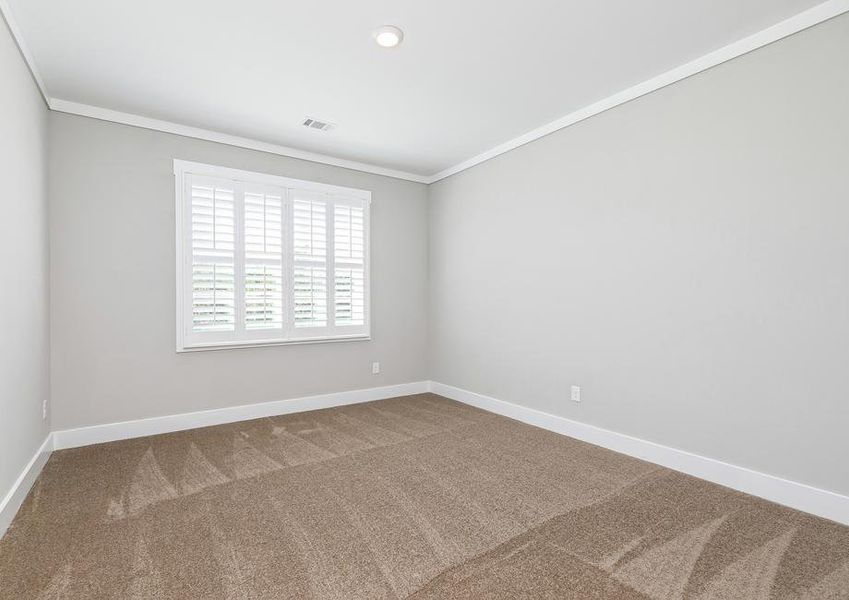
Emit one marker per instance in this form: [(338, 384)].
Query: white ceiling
[(470, 74)]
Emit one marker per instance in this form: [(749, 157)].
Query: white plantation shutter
[(264, 259)]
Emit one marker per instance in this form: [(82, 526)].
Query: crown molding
[(105, 114), (794, 24), (813, 16), (24, 50)]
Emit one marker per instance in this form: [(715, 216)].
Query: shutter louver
[(349, 259), (213, 257), (263, 260)]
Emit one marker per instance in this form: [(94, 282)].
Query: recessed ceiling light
[(388, 36)]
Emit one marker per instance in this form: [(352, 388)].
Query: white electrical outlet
[(44, 409), (375, 368), (576, 393)]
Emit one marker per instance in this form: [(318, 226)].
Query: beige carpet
[(415, 497)]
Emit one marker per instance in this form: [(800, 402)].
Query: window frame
[(187, 341)]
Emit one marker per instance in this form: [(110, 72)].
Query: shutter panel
[(310, 230), (213, 256), (309, 240), (310, 297), (349, 261), (349, 233), (349, 296), (263, 259)]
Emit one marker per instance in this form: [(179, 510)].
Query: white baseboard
[(782, 491), (15, 497), (96, 434)]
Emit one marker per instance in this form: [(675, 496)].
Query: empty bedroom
[(424, 300)]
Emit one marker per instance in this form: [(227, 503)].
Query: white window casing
[(267, 260)]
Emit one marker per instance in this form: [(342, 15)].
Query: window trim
[(338, 194)]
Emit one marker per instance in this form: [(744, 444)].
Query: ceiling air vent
[(316, 124)]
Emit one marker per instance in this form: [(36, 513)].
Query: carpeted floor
[(415, 497)]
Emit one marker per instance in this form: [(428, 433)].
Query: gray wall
[(684, 258), (24, 294), (112, 247)]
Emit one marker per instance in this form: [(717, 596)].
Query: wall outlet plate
[(576, 393), (375, 368)]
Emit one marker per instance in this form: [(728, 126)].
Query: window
[(263, 259)]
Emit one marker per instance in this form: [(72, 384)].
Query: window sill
[(262, 343)]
